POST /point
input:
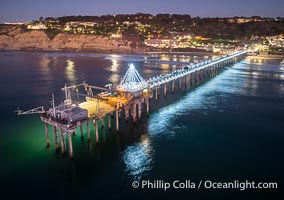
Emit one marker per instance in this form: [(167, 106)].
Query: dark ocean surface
[(229, 128)]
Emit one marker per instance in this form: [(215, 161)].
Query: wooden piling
[(119, 115), (157, 93), (81, 131), (126, 110), (70, 145), (62, 141), (196, 77), (97, 130), (134, 117), (56, 147), (89, 131), (46, 135), (103, 122), (117, 121), (109, 121), (139, 110), (147, 106), (165, 89)]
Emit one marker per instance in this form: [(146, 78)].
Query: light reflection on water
[(138, 158), (44, 63), (114, 78), (207, 97), (70, 71)]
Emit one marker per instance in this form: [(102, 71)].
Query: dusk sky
[(27, 10)]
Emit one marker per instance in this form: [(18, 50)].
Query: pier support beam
[(81, 131), (126, 110), (89, 132), (190, 79), (62, 141), (209, 72), (165, 89), (103, 122), (70, 145), (119, 115), (134, 117), (46, 135), (117, 120), (196, 77), (97, 131), (203, 74), (180, 83), (109, 121), (139, 110), (147, 106), (56, 147), (157, 93), (173, 86)]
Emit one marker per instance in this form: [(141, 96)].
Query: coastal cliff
[(15, 38)]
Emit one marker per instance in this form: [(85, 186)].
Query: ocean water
[(228, 128)]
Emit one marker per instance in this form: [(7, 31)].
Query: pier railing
[(161, 79)]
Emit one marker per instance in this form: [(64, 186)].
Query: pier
[(129, 97)]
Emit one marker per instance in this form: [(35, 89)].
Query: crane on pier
[(38, 110)]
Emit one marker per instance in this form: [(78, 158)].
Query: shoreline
[(270, 56), (68, 51), (107, 52), (135, 52)]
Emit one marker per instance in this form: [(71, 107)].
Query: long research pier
[(130, 96)]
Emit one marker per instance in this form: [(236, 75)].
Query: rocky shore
[(17, 39)]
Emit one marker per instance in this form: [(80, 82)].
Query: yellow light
[(70, 71)]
